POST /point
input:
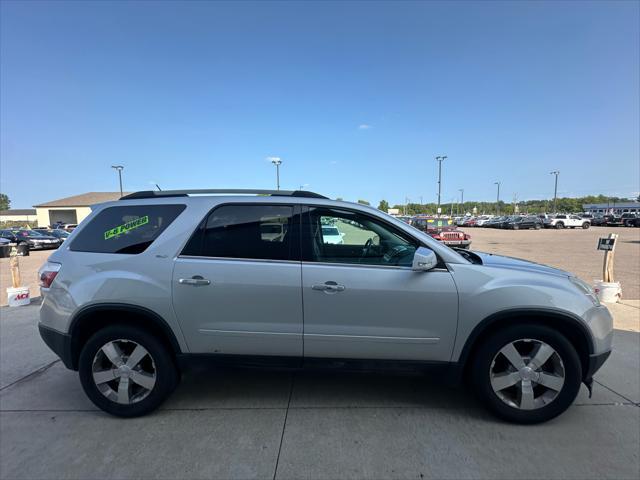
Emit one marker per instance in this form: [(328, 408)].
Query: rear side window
[(263, 232), (126, 229)]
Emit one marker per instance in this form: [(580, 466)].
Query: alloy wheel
[(527, 374), (124, 371)]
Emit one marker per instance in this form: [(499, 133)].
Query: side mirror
[(424, 259)]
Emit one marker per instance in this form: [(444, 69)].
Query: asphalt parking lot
[(251, 424)]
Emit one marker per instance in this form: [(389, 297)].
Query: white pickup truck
[(567, 221)]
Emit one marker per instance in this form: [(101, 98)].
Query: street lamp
[(119, 168), (555, 191), (497, 199), (461, 190), (277, 162), (440, 159)]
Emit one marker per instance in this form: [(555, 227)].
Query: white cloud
[(364, 126)]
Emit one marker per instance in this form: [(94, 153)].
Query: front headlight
[(585, 288)]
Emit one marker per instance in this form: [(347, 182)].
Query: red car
[(443, 230)]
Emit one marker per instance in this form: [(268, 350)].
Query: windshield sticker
[(126, 227)]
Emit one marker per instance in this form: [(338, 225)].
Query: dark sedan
[(35, 240), (522, 223)]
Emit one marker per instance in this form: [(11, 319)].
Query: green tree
[(363, 202), (5, 203), (384, 206)]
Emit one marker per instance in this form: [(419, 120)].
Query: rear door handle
[(195, 280), (329, 287)]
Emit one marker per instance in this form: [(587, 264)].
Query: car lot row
[(31, 239), (559, 221)]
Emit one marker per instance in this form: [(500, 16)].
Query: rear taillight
[(48, 273)]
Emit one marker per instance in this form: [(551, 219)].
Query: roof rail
[(223, 191)]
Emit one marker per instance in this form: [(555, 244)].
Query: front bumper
[(457, 243), (595, 362), (60, 343)]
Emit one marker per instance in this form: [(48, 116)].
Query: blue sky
[(356, 98)]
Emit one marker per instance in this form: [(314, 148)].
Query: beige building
[(71, 209), (18, 215)]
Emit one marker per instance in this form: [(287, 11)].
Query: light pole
[(555, 190), (461, 190), (119, 168), (497, 199), (440, 159), (277, 161)]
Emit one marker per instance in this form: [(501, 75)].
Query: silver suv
[(157, 279)]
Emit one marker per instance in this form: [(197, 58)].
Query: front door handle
[(195, 280), (329, 287)]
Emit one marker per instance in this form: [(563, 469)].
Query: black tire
[(559, 225), (516, 227), (487, 351), (167, 376), (586, 225), (538, 226)]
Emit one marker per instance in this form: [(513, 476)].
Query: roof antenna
[(158, 187)]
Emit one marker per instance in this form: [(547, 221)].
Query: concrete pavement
[(249, 424)]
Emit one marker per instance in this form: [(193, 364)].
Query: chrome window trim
[(363, 265), (234, 259)]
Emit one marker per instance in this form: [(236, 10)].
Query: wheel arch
[(90, 319), (567, 324)]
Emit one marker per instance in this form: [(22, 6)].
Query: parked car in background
[(611, 220), (483, 219), (35, 240), (522, 223), (69, 227), (331, 235), (470, 222), (53, 232), (443, 230), (598, 220), (5, 247), (562, 220), (495, 222), (628, 219)]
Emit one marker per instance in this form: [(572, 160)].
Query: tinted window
[(262, 232), (360, 239), (126, 229)]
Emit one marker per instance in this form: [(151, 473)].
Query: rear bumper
[(59, 342)]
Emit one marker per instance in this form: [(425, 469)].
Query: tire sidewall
[(487, 351), (166, 371)]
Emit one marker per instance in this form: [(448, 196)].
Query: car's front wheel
[(559, 225), (526, 373), (585, 225), (126, 371)]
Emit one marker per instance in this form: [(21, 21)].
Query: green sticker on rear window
[(124, 228)]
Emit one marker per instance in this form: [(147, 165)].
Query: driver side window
[(342, 236)]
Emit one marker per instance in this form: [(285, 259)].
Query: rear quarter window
[(126, 229)]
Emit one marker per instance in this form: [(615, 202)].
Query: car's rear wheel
[(585, 225), (126, 371), (537, 226), (559, 225), (526, 373)]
